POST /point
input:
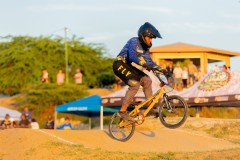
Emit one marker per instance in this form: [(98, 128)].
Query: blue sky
[(210, 23)]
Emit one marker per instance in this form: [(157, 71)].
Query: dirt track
[(162, 140), (17, 143)]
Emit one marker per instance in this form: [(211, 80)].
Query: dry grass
[(228, 129), (78, 152)]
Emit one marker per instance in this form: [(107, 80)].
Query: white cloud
[(68, 7), (201, 28), (106, 36), (151, 9), (98, 8)]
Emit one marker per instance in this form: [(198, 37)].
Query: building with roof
[(201, 56)]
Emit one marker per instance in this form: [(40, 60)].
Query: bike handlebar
[(160, 75)]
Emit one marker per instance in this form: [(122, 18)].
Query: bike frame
[(153, 99)]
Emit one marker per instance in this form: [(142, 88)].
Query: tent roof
[(13, 113), (88, 106), (184, 47)]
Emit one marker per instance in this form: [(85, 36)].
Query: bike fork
[(169, 107)]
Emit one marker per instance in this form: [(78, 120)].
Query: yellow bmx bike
[(172, 112)]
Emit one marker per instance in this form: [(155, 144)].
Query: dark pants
[(134, 78), (184, 83)]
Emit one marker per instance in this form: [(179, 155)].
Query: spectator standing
[(200, 74), (44, 76), (169, 74), (27, 113), (50, 122), (78, 77), (177, 73), (60, 77), (24, 122), (215, 68), (66, 125), (225, 68), (6, 123), (184, 77), (192, 69), (229, 68)]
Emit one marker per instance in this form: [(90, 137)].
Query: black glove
[(157, 68), (148, 67)]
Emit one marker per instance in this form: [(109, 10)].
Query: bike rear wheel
[(119, 129), (174, 116)]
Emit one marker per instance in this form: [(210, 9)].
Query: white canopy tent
[(14, 115)]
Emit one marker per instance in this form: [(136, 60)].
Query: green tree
[(23, 57)]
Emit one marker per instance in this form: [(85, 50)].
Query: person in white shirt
[(34, 124), (184, 77), (215, 68)]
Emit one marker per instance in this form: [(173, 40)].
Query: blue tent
[(88, 106)]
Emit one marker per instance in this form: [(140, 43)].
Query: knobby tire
[(180, 106)]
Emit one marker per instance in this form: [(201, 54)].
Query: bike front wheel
[(173, 112), (119, 129)]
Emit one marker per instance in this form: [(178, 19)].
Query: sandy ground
[(41, 144), (161, 140)]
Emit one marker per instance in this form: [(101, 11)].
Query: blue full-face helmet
[(148, 30)]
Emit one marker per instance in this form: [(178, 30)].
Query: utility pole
[(66, 53)]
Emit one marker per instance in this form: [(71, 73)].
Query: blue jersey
[(28, 115), (134, 52), (65, 126)]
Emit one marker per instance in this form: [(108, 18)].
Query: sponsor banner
[(237, 97), (214, 81), (113, 101), (221, 98), (201, 100), (117, 101), (82, 108)]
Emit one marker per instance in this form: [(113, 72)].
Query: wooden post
[(55, 120), (89, 123), (198, 109), (101, 118)]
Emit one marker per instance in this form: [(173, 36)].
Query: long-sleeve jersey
[(133, 51), (65, 126)]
